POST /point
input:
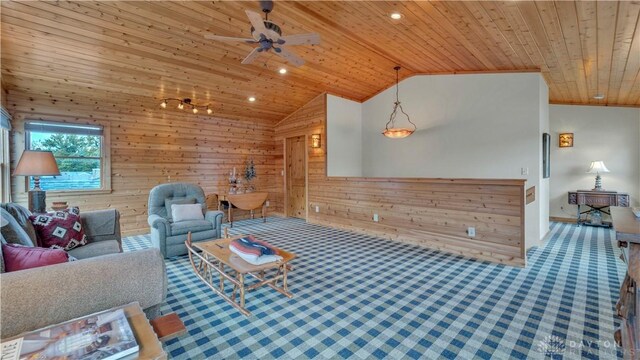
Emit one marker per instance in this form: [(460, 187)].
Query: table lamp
[(37, 163), (596, 168)]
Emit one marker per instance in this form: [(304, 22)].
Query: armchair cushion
[(168, 204), (186, 212), (184, 227)]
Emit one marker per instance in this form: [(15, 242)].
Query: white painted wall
[(344, 134), (610, 134), (469, 126), (544, 187)]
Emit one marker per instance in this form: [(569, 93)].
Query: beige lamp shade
[(597, 167), (37, 163)]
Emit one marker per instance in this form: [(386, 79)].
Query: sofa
[(103, 276), (169, 236)]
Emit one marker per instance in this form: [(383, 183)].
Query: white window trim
[(105, 171), (5, 171)]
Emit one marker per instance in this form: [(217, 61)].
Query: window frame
[(5, 167), (105, 158)]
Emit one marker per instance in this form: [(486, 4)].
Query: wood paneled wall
[(151, 147), (431, 212)]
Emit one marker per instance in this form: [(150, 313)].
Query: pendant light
[(391, 131)]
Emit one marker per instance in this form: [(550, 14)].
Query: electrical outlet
[(524, 171), (375, 217), (266, 203), (317, 208), (471, 231)]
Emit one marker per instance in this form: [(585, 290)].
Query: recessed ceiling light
[(598, 96), (282, 71), (395, 16), (251, 98)]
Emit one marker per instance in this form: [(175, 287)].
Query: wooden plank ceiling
[(119, 54)]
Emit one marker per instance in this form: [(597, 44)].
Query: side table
[(596, 201)]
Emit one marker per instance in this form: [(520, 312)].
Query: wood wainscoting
[(150, 146), (434, 213)]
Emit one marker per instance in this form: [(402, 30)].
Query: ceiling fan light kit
[(391, 130), (186, 101), (268, 36)]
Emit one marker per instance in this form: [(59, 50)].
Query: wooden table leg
[(284, 277), (221, 267), (230, 216), (264, 213), (241, 280)]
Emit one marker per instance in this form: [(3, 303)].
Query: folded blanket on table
[(254, 251), (251, 245)]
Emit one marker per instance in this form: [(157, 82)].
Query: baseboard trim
[(562, 219)]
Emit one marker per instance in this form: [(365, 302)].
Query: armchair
[(169, 236)]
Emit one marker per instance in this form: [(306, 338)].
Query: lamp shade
[(397, 133), (597, 167), (37, 163)]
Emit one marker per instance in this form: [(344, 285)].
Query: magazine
[(103, 336)]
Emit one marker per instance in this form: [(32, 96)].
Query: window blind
[(64, 128)]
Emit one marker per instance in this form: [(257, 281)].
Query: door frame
[(306, 175)]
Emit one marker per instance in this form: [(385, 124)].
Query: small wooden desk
[(246, 201), (598, 201), (215, 255)]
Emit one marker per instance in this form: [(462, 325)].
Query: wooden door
[(296, 169)]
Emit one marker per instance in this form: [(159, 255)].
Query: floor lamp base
[(37, 201)]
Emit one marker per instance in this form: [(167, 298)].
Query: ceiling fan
[(268, 36)]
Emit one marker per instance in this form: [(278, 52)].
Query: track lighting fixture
[(186, 101)]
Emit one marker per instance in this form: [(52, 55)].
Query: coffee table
[(215, 259)]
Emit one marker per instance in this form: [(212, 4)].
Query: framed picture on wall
[(546, 160)]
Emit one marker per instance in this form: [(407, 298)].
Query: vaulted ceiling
[(119, 53)]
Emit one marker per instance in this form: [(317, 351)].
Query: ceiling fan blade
[(256, 22), (252, 56), (291, 57), (301, 39), (227, 38)]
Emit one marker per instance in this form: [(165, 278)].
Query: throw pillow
[(186, 212), (21, 214), (11, 230), (60, 229), (168, 203), (2, 242), (18, 257)]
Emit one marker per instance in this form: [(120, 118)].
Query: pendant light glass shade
[(391, 130)]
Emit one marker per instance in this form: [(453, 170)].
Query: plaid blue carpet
[(390, 300)]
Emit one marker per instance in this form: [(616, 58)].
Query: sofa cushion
[(11, 231), (21, 214), (186, 212), (19, 257), (92, 249), (184, 227), (60, 229), (177, 201)]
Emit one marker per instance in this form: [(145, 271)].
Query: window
[(5, 167), (79, 151)]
